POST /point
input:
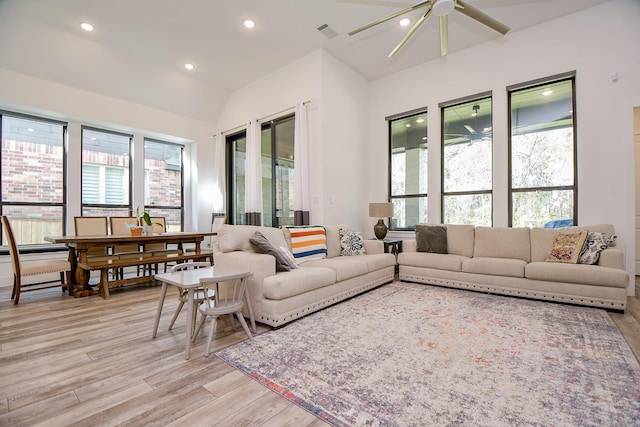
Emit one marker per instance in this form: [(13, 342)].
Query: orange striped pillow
[(308, 242)]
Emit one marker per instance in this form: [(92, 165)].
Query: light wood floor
[(90, 362)]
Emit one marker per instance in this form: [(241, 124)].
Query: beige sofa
[(511, 261), (280, 297)]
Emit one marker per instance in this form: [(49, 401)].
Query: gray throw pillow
[(431, 238), (262, 245)]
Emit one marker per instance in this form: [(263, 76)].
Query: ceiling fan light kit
[(441, 8)]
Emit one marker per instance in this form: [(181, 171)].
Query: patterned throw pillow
[(593, 247), (351, 243), (567, 247), (308, 242)]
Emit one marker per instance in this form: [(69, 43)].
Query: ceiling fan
[(441, 8)]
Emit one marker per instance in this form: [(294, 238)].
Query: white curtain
[(253, 176), (301, 204), (218, 174)]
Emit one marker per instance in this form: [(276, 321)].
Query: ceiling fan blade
[(392, 16), (444, 35), (410, 33), (481, 17)]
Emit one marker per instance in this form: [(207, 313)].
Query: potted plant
[(144, 220)]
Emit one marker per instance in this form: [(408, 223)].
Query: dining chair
[(159, 226), (199, 294), (120, 226), (228, 298), (92, 226), (32, 268)]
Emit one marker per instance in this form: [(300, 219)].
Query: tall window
[(543, 173), (408, 175), (33, 177), (278, 172), (277, 148), (467, 139), (106, 163), (236, 155), (163, 178)]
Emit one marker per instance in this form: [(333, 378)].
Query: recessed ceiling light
[(404, 22), (419, 120), (86, 26), (408, 125), (30, 129), (189, 66), (547, 92), (249, 23)]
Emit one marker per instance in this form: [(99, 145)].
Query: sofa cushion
[(566, 247), (377, 262), (333, 239), (236, 237), (261, 245), (502, 242), (594, 245), (295, 282), (494, 266), (431, 238), (448, 262), (460, 239), (308, 242), (577, 273), (351, 243), (345, 267)]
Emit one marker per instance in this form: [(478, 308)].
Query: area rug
[(416, 355)]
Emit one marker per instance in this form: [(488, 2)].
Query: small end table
[(393, 246)]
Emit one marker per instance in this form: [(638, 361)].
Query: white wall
[(597, 43), (337, 123)]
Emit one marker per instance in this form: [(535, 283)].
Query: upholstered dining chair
[(199, 294), (228, 298), (159, 226), (119, 227), (92, 226), (32, 268)]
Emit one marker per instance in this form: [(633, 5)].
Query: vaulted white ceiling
[(138, 49)]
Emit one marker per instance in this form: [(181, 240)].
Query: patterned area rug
[(415, 355)]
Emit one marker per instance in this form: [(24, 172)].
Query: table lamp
[(380, 210)]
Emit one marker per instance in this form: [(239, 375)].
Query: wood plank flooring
[(90, 362)]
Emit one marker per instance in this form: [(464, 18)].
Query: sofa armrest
[(261, 265), (612, 258), (373, 247)]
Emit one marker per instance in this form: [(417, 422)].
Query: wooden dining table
[(82, 263)]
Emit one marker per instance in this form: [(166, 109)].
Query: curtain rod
[(237, 128)]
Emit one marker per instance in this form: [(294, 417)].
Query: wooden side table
[(393, 246)]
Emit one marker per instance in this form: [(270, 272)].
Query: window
[(277, 150), (467, 140), (106, 160), (278, 172), (408, 175), (543, 173), (236, 157), (163, 178), (33, 177)]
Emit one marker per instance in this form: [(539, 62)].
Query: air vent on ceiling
[(327, 31)]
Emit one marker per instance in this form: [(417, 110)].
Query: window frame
[(105, 206), (406, 196), (150, 207), (455, 102), (45, 247), (568, 76)]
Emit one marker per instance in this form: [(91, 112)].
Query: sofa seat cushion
[(448, 262), (495, 266), (295, 282), (345, 267), (577, 273), (377, 262)]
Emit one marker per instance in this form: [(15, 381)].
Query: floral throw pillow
[(351, 243), (593, 247), (567, 247)]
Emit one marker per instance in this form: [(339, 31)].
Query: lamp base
[(380, 229)]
